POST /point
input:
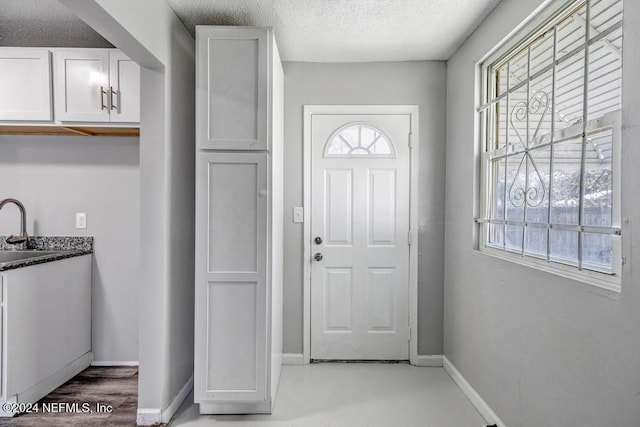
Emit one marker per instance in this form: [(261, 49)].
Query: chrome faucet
[(23, 238)]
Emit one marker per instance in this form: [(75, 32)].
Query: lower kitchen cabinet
[(45, 329)]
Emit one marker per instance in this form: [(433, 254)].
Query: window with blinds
[(551, 137)]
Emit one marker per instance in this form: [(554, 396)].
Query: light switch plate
[(298, 214)]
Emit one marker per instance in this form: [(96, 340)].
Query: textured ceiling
[(348, 30), (44, 23), (306, 30)]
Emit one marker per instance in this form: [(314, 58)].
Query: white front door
[(360, 183)]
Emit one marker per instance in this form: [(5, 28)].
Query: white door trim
[(411, 110)]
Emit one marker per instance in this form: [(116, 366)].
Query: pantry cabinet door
[(231, 277), (25, 84), (82, 85), (232, 88), (124, 88)]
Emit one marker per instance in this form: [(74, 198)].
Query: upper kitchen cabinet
[(96, 86), (124, 89), (234, 87), (25, 84)]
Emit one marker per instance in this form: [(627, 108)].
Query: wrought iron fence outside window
[(551, 137)]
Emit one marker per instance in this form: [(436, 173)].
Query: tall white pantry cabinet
[(239, 219)]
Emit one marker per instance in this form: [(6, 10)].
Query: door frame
[(412, 111)]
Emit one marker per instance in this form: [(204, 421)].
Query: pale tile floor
[(354, 395)]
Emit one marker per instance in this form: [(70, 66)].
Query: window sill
[(607, 284)]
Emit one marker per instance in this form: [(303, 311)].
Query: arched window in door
[(359, 140)]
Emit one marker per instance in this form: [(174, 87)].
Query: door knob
[(318, 256), (318, 240)]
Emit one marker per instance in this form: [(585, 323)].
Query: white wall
[(55, 177), (150, 33), (421, 83), (540, 349)]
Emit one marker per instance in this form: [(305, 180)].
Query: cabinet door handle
[(113, 104), (102, 94)]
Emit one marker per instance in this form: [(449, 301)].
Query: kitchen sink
[(10, 256)]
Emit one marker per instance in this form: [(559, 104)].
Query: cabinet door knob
[(318, 240), (318, 256)]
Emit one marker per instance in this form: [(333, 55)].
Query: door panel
[(338, 197), (233, 224), (381, 215), (337, 296), (232, 306), (360, 210), (381, 282)]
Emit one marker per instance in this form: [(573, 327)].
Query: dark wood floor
[(76, 401)]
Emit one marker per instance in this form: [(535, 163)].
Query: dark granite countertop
[(44, 249)]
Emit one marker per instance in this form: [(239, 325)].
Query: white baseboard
[(154, 416), (482, 406), (149, 417), (292, 359), (173, 407), (434, 360), (115, 363)]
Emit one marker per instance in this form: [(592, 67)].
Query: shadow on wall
[(72, 150)]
